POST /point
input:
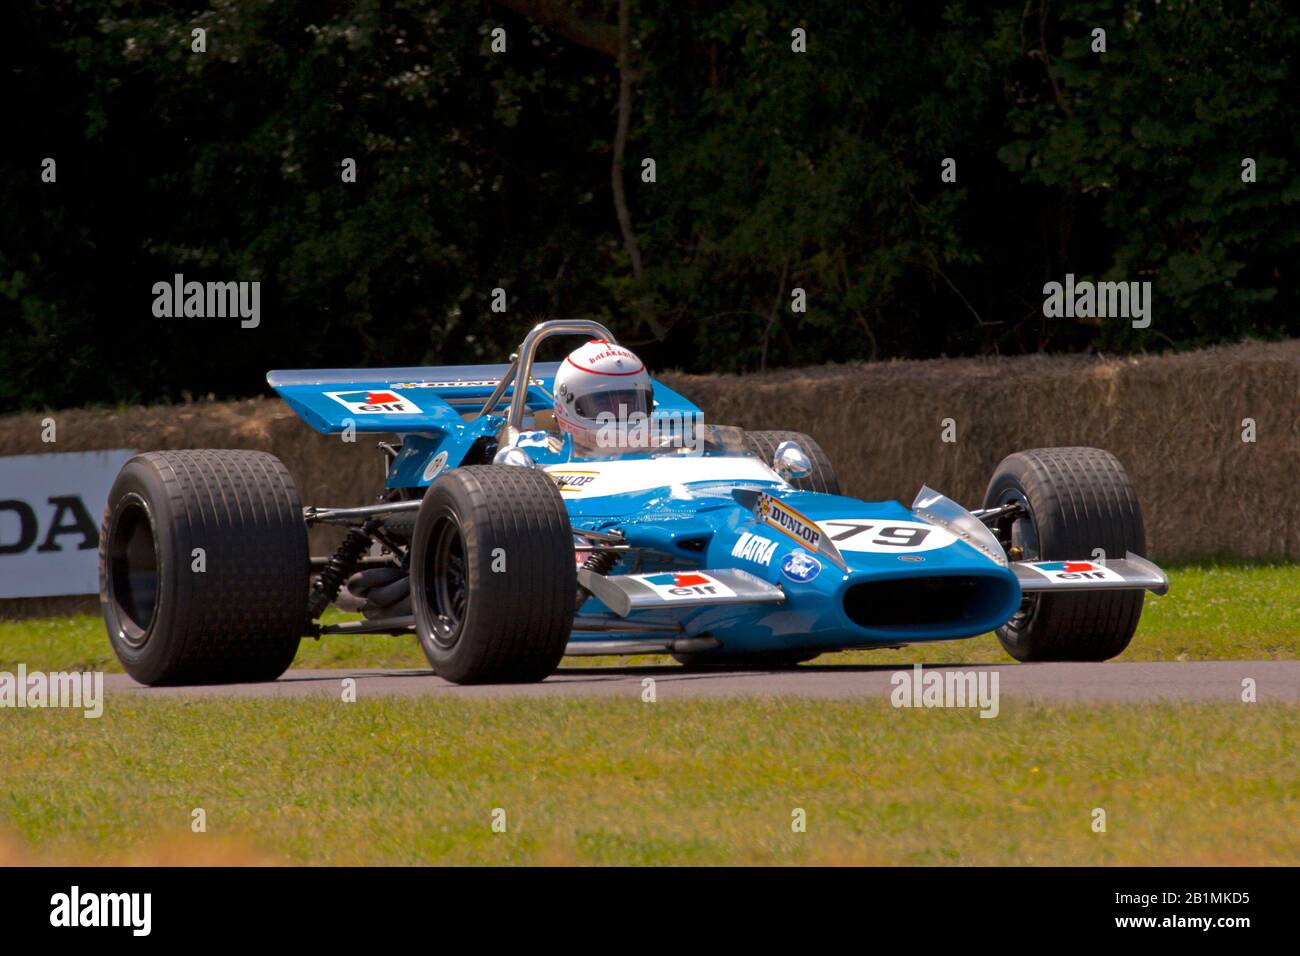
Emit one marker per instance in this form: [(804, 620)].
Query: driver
[(603, 399)]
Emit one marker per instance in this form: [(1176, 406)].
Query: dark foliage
[(774, 170)]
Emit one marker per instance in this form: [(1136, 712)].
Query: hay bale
[(1175, 421)]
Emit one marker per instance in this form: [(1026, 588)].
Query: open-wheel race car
[(506, 538)]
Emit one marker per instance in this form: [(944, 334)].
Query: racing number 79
[(897, 537)]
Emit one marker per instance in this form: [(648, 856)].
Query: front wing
[(1131, 572), (675, 590), (625, 594)]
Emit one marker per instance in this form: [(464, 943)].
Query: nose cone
[(928, 605), (952, 590)]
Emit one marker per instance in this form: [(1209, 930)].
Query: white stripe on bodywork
[(602, 478)]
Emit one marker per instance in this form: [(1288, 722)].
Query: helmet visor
[(622, 403)]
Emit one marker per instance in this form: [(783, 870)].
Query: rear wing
[(411, 399), (436, 398)]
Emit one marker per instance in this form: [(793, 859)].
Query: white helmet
[(599, 389)]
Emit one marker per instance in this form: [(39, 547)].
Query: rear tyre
[(493, 579), (1079, 500), (203, 567), (821, 478)]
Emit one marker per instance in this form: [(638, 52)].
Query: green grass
[(1212, 612), (693, 782), (623, 782)]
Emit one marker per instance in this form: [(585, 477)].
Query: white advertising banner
[(51, 507)]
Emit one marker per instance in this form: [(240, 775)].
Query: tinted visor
[(620, 404)]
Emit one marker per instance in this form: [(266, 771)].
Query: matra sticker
[(754, 547), (573, 481), (683, 585), (785, 519), (885, 535), (435, 465), (1074, 571), (375, 402)]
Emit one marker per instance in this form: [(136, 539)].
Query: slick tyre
[(493, 579), (1080, 504), (203, 567), (821, 478)]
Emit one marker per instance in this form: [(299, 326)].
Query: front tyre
[(203, 567), (1080, 504), (493, 579)]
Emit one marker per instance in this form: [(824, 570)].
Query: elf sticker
[(375, 402), (684, 585), (1078, 571)]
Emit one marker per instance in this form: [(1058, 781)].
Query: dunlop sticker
[(785, 519)]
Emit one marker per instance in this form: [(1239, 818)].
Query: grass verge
[(398, 781)]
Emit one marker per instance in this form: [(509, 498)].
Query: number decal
[(911, 538), (885, 537), (854, 529)]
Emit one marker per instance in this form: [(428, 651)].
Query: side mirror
[(790, 462), (514, 456)]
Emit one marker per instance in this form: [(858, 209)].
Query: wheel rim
[(446, 588), (132, 570), (1024, 535)]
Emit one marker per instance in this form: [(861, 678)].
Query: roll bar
[(521, 363)]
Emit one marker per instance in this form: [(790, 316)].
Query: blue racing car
[(534, 510)]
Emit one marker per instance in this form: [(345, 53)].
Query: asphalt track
[(1275, 681)]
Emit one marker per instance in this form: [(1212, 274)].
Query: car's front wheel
[(1077, 503), (493, 578)]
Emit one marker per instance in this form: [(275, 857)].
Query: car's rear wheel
[(821, 478), (1078, 503), (203, 567), (493, 580)]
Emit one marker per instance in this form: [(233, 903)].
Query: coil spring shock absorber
[(598, 562), (344, 561)]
